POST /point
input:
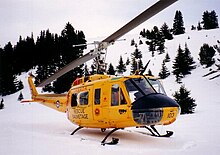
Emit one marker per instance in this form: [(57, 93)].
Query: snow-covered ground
[(32, 129)]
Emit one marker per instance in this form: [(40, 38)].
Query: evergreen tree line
[(136, 63), (47, 54), (183, 63), (156, 37)]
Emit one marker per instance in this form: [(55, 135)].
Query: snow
[(34, 129)]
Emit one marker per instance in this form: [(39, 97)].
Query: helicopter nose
[(155, 109)]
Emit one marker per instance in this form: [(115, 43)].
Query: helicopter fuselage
[(119, 102)]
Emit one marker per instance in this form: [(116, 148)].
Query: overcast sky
[(96, 18)]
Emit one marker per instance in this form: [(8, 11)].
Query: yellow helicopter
[(113, 102)]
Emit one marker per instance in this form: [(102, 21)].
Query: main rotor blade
[(148, 13), (68, 67)]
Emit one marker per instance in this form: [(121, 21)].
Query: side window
[(83, 98), (122, 98), (115, 95), (97, 96), (74, 100)]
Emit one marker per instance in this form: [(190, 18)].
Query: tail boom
[(54, 101)]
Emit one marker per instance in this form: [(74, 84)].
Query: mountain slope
[(34, 129)]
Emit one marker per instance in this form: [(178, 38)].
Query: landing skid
[(155, 133), (115, 141)]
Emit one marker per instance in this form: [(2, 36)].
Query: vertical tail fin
[(33, 89)]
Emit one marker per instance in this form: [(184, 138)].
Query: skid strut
[(114, 140), (76, 130), (155, 133)]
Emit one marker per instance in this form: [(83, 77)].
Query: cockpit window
[(138, 87)]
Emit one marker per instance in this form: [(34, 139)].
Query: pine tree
[(132, 42), (1, 70), (23, 56), (121, 68), (206, 55), (69, 37), (127, 61), (143, 33), (111, 70), (193, 27), (209, 20), (136, 54), (214, 18), (189, 61), (47, 64), (151, 48), (166, 32), (199, 27), (151, 41), (183, 63), (20, 97), (186, 103), (140, 42), (2, 104), (86, 71), (149, 35), (164, 73), (8, 78), (136, 63), (179, 64), (134, 66), (178, 25), (140, 65), (167, 58), (156, 40), (161, 47), (149, 73)]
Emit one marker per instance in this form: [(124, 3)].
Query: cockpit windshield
[(157, 85), (138, 87)]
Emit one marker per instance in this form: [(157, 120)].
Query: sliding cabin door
[(119, 109)]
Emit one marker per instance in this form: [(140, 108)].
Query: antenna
[(145, 67)]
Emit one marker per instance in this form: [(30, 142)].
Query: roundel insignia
[(97, 111), (57, 103)]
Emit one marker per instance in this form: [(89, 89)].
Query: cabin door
[(97, 105), (118, 110)]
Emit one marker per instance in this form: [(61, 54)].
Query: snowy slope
[(32, 129)]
